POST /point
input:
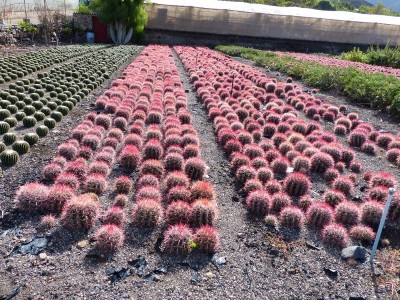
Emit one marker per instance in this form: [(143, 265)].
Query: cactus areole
[(122, 17)]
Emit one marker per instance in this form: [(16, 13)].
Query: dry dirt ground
[(254, 262)]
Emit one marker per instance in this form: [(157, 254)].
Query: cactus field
[(181, 172)]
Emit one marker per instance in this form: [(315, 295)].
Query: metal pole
[(381, 224), (26, 15)]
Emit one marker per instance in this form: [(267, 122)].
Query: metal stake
[(381, 224)]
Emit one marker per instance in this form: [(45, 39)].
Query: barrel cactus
[(9, 157), (9, 138), (42, 131), (31, 138), (4, 127), (29, 121), (21, 147)]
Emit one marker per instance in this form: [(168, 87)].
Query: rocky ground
[(255, 262)]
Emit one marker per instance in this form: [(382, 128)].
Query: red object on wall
[(100, 31)]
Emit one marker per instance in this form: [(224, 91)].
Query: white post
[(381, 224)]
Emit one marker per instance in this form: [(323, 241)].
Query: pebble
[(209, 275), (82, 244), (42, 256)]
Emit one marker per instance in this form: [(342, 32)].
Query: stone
[(42, 256), (82, 244), (209, 275), (331, 272), (355, 297), (354, 252)]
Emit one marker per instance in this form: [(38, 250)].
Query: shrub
[(204, 212), (296, 184), (335, 235), (129, 157), (195, 168), (178, 239), (109, 238), (32, 197), (258, 203), (362, 233), (114, 215), (206, 239), (80, 213), (347, 213), (319, 214), (292, 217), (178, 212), (320, 162), (343, 184), (96, 183), (147, 213), (371, 212), (279, 201), (123, 185)]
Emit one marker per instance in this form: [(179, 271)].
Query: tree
[(325, 5), (122, 17)]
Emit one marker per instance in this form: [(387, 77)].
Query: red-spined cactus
[(148, 192), (335, 235), (48, 221), (85, 152), (347, 213), (369, 148), (238, 160), (245, 173), (80, 213), (258, 203), (362, 233), (51, 171), (174, 162), (178, 193), (305, 202), (291, 217), (273, 186), (371, 212), (148, 180), (202, 189), (91, 140), (121, 200), (68, 179), (77, 167), (320, 162), (58, 195), (133, 139), (114, 215), (206, 239), (109, 238), (333, 197), (147, 213), (123, 185), (280, 165), (280, 201), (301, 164), (331, 174), (378, 193), (153, 149), (103, 120), (204, 212), (129, 158), (95, 183), (392, 155), (297, 184), (383, 179), (178, 239), (195, 168), (264, 174), (253, 151), (68, 151), (176, 178), (343, 184), (384, 139), (32, 197), (99, 167), (319, 214), (178, 212), (357, 138), (355, 166), (191, 151), (251, 185), (152, 167)]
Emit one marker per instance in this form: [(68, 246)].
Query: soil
[(261, 263)]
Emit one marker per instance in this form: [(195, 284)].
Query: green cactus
[(20, 115), (31, 138), (42, 131), (39, 116), (29, 110), (4, 113), (4, 127), (20, 104), (22, 147), (63, 109), (56, 115), (29, 121), (9, 138), (11, 121), (50, 123), (2, 147), (9, 157)]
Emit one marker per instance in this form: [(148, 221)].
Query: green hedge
[(376, 90)]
